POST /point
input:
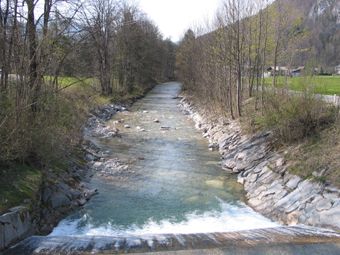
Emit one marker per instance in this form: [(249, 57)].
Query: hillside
[(320, 20)]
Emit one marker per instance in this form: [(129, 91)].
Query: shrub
[(295, 117), (46, 135)]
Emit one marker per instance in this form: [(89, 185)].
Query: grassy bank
[(18, 182), (325, 85), (305, 129), (317, 157)]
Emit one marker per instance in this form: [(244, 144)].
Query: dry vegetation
[(224, 71), (115, 49), (318, 156)]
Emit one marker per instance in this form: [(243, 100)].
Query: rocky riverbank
[(98, 160), (63, 192), (270, 188), (59, 194)]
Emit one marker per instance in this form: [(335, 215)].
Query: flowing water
[(174, 183)]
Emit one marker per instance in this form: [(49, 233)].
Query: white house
[(337, 70)]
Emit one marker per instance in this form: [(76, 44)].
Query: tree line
[(227, 66), (113, 44)]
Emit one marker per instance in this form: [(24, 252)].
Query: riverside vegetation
[(223, 72), (57, 64)]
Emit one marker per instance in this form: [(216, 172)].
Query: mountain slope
[(321, 22)]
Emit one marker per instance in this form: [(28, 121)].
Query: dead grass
[(317, 157)]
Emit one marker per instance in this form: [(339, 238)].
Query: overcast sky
[(174, 17)]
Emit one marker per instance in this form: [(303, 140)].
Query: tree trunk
[(33, 82)]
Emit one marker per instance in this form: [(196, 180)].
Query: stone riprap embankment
[(59, 195), (62, 192), (270, 188), (15, 225)]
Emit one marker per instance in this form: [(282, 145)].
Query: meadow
[(325, 85)]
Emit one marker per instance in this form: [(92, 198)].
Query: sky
[(174, 17)]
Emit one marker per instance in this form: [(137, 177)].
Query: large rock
[(293, 182), (14, 226), (60, 200), (330, 218)]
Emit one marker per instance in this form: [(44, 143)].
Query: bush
[(296, 117), (46, 135)]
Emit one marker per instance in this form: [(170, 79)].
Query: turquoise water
[(174, 183)]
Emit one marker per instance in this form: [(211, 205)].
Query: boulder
[(213, 146), (330, 218), (240, 179), (280, 162), (14, 226), (293, 182), (323, 205), (60, 199)]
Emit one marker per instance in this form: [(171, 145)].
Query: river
[(174, 183)]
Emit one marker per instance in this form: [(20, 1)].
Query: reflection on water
[(176, 185)]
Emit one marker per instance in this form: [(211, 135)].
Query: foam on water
[(229, 218)]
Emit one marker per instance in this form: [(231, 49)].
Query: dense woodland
[(102, 44)]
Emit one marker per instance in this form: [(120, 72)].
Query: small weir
[(290, 240), (159, 186)]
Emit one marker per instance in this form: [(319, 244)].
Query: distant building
[(278, 70), (267, 74), (337, 70), (297, 72), (284, 71)]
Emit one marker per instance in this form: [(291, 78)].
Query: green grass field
[(326, 85), (91, 87), (71, 82)]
